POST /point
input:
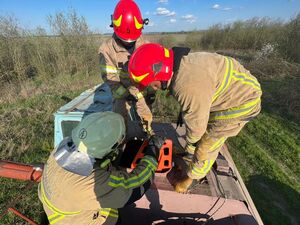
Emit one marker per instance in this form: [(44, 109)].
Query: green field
[(38, 73)]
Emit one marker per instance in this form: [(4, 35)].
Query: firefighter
[(218, 96), (79, 184), (114, 54)]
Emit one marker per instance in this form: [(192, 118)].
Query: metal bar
[(17, 213), (20, 171)]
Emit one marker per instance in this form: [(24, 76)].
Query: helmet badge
[(82, 133)]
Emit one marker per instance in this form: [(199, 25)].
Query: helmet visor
[(72, 160)]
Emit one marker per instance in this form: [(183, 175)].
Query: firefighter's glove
[(131, 98), (150, 98), (146, 121), (154, 145)]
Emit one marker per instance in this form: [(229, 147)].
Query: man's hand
[(154, 145)]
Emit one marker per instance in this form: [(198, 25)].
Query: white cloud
[(172, 20), (218, 7), (162, 1), (164, 12), (189, 18)]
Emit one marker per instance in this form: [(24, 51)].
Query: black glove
[(154, 146), (131, 98), (150, 98)]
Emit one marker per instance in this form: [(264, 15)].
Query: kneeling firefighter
[(81, 186)]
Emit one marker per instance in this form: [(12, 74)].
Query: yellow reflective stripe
[(167, 53), (119, 92), (108, 69), (52, 207), (204, 169), (118, 21), (109, 212), (246, 79), (226, 80), (192, 139), (138, 79), (137, 24), (137, 180), (140, 95), (56, 219), (150, 161), (52, 216), (190, 147), (218, 144), (234, 112), (133, 184), (114, 70)]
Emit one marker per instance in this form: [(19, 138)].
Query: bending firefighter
[(79, 183), (218, 96), (114, 54)]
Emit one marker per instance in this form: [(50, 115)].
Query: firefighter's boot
[(182, 185)]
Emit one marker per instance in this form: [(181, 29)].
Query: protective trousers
[(210, 144)]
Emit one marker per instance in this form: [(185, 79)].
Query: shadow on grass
[(276, 202)]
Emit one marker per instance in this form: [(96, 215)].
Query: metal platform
[(221, 198)]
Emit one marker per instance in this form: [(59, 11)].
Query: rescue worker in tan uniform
[(218, 96), (114, 54), (79, 184)]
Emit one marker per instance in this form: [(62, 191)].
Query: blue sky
[(164, 15)]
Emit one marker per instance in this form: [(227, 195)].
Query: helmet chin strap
[(125, 44), (112, 156), (164, 85)]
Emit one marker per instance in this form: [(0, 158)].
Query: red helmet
[(127, 21), (150, 62)]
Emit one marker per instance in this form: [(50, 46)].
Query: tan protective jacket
[(70, 199), (114, 71), (213, 88)]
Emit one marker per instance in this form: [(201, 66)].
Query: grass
[(269, 148)]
